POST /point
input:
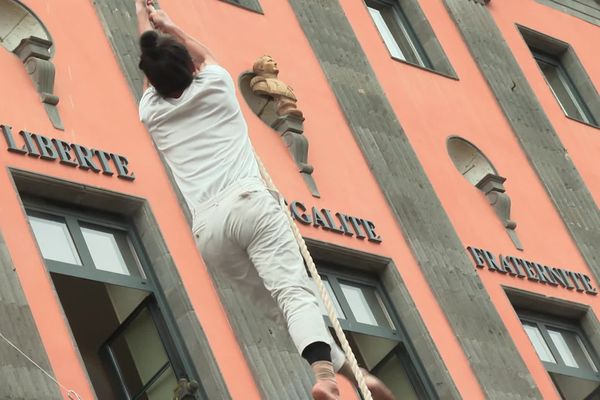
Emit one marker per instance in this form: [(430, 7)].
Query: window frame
[(578, 101), (150, 304), (406, 29), (349, 322), (403, 348), (563, 54), (148, 282), (87, 269), (542, 322)]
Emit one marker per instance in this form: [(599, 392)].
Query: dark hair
[(166, 63)]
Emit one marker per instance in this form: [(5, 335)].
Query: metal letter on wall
[(274, 102), (34, 52)]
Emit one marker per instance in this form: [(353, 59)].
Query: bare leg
[(377, 388), (326, 387)]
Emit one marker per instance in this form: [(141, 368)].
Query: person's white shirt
[(202, 134)]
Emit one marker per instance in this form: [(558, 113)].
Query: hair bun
[(148, 41)]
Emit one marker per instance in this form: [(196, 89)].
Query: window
[(407, 34), (567, 79), (110, 301), (397, 33), (374, 332), (566, 354), (141, 373), (563, 88)]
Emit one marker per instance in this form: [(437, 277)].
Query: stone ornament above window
[(23, 34), (274, 102), (17, 23), (479, 171)]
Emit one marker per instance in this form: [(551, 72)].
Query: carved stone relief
[(275, 103), (34, 52), (22, 33), (479, 171), (492, 186)]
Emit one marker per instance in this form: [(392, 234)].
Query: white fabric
[(202, 134), (240, 228), (244, 234)]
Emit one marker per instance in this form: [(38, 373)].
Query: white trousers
[(244, 233)]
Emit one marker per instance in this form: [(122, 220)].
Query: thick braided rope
[(360, 379)]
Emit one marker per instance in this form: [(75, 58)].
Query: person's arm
[(141, 10), (144, 24), (201, 55)]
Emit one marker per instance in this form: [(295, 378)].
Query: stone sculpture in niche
[(274, 102), (265, 83), (34, 52), (492, 186)]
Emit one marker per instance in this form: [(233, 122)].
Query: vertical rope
[(360, 379)]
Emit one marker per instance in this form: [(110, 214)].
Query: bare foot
[(326, 389), (377, 388)]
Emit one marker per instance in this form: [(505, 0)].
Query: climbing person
[(191, 111)]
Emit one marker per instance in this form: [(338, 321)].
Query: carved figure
[(185, 390), (266, 83)]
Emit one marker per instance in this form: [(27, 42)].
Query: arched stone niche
[(289, 127), (17, 22), (469, 160), (22, 33), (481, 173)]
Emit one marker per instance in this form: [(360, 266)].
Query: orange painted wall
[(98, 111), (431, 108)]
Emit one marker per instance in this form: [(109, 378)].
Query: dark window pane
[(386, 34), (395, 33), (138, 352), (163, 387), (394, 375), (571, 349), (541, 348), (562, 90), (401, 32), (336, 305)]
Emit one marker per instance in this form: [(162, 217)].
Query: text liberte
[(69, 154)]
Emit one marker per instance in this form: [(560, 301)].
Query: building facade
[(444, 176)]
